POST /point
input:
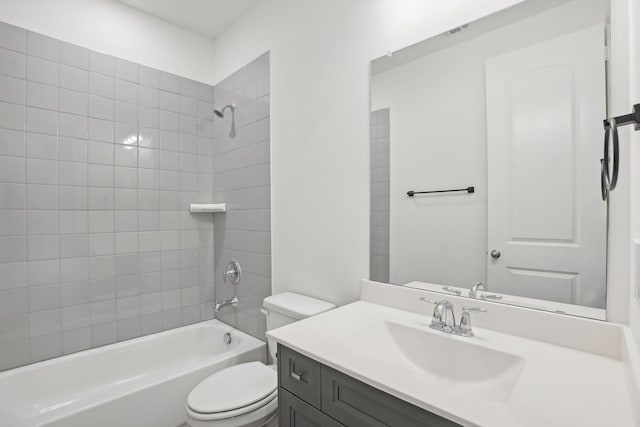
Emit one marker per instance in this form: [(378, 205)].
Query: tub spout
[(233, 302)]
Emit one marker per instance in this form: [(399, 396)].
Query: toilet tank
[(288, 307)]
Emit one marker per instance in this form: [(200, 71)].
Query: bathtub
[(141, 382)]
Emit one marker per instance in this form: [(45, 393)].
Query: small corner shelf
[(207, 207)]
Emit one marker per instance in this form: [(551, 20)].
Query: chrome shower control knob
[(233, 272), (495, 254)]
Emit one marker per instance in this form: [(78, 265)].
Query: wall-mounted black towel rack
[(628, 119), (610, 166), (468, 190)]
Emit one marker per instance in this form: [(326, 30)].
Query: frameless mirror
[(486, 147)]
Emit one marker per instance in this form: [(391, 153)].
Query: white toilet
[(245, 395)]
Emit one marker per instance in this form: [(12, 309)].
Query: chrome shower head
[(220, 113)]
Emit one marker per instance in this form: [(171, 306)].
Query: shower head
[(220, 113)]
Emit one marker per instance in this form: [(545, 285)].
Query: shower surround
[(99, 160), (380, 195), (242, 179)]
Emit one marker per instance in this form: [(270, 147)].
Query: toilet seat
[(233, 391), (233, 413)]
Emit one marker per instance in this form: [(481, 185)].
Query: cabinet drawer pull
[(297, 376)]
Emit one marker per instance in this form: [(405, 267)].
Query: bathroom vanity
[(311, 393), (378, 362)]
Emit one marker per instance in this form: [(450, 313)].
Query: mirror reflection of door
[(545, 215), (511, 104)]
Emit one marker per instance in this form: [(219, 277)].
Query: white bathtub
[(142, 382)]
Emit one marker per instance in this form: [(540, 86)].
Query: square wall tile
[(13, 38), (42, 46), (12, 116), (41, 146), (45, 347), (101, 63), (74, 79), (42, 71), (13, 64), (12, 142), (75, 56), (12, 90)]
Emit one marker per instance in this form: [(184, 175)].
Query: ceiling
[(209, 18), (479, 27)]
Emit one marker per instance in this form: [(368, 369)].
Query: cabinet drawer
[(299, 375), (354, 403), (296, 413)]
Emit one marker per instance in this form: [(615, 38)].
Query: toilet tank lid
[(296, 305)]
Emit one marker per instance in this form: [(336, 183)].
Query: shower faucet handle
[(233, 271)]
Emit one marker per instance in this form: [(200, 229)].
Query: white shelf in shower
[(207, 207)]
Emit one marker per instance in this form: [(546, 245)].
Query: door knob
[(495, 254)]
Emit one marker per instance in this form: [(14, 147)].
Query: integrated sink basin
[(451, 362), (497, 378)]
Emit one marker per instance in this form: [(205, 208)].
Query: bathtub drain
[(227, 338)]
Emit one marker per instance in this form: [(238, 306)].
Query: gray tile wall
[(380, 179), (242, 179), (99, 159)]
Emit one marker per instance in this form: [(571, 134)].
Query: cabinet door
[(296, 413), (300, 375), (354, 403)]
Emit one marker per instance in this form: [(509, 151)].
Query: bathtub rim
[(249, 344), (125, 343)]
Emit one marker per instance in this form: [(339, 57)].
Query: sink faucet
[(479, 286), (444, 320), (443, 316), (232, 302)]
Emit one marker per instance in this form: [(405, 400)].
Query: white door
[(545, 106)]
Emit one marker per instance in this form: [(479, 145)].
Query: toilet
[(245, 395)]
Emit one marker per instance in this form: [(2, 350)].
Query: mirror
[(486, 147)]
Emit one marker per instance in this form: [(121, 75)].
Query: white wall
[(320, 54), (112, 28), (634, 142), (618, 267), (442, 239)]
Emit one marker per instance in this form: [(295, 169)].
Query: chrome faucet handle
[(474, 309), (464, 329), (233, 271), (438, 311), (490, 297)]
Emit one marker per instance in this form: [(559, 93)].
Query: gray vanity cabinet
[(312, 394), (295, 412)]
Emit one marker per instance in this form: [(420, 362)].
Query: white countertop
[(558, 386)]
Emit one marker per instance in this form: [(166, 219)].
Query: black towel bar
[(468, 190)]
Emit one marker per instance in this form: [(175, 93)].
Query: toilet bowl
[(242, 395), (245, 395)]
